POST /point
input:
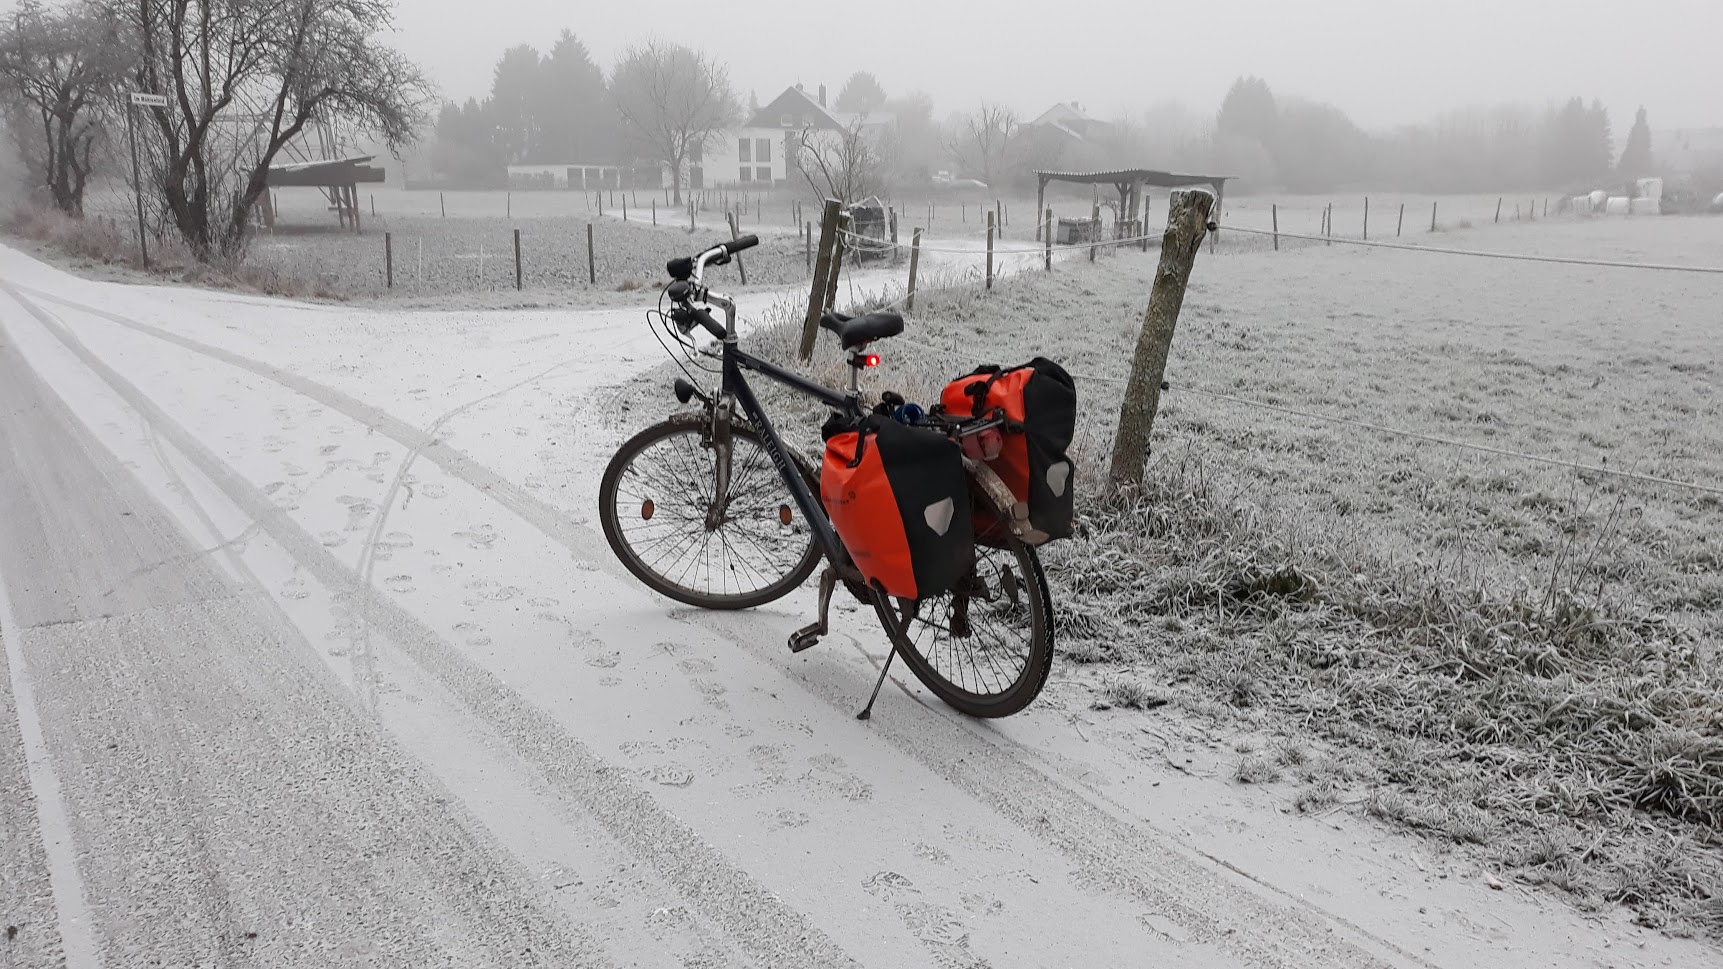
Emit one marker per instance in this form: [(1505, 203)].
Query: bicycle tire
[(614, 533), (1038, 664)]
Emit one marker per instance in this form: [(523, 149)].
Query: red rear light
[(871, 360)]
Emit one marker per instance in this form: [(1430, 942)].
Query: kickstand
[(882, 607)]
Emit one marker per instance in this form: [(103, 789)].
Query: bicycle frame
[(735, 386)]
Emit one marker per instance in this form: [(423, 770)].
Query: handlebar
[(686, 267)]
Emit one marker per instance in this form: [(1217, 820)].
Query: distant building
[(766, 148), (571, 177), (1063, 137), (1067, 122), (1688, 151)]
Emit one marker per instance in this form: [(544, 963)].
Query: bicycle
[(711, 509)]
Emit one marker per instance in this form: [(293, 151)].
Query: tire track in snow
[(763, 926), (1210, 903)]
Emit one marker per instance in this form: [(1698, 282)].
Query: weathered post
[(625, 206), (990, 250), (822, 274), (1398, 226), (388, 260), (517, 261), (1187, 222), (1047, 223), (1498, 210), (741, 267), (1433, 216), (1366, 218), (914, 262), (508, 205), (893, 215), (1094, 229), (999, 215), (591, 263), (654, 211), (808, 245), (373, 205), (443, 204), (838, 250), (1275, 210)]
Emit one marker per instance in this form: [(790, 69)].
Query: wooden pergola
[(339, 178), (1129, 183)]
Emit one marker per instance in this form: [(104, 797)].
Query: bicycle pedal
[(807, 637)]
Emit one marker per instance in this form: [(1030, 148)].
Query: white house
[(765, 149)]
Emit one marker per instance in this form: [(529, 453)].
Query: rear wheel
[(655, 503), (986, 647)]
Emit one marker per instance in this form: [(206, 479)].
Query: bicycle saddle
[(859, 331)]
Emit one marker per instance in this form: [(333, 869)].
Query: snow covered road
[(316, 658)]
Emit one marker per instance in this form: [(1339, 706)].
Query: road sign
[(149, 100)]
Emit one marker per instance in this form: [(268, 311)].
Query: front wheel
[(662, 517), (986, 647)]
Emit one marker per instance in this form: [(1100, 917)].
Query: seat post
[(851, 358)]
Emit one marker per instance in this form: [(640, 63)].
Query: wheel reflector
[(647, 508), (784, 514)]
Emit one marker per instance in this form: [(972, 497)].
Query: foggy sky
[(1384, 62)]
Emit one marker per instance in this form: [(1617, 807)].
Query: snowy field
[(410, 494)]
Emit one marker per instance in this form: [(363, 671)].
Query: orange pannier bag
[(899, 499), (1039, 403)]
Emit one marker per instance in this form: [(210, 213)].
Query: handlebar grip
[(737, 245)]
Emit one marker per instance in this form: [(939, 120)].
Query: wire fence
[(1312, 415)]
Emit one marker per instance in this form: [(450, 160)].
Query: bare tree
[(843, 163), (243, 79), (61, 68), (983, 142), (672, 101)]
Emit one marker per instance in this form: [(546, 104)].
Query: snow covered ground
[(371, 655)]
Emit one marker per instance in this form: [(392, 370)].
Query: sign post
[(148, 101)]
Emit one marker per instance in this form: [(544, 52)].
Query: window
[(787, 121), (762, 151), (744, 148), (696, 154), (746, 171), (762, 175)]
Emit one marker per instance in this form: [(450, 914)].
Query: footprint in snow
[(399, 583)]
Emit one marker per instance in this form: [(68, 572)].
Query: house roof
[(798, 104)]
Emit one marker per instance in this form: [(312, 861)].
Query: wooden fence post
[(1401, 225), (741, 267), (1433, 216), (1367, 218), (517, 260), (838, 250), (373, 205), (591, 262), (999, 215), (443, 204), (1275, 209), (1048, 220), (914, 262), (388, 260), (1328, 224), (1187, 222), (892, 212), (508, 205), (1094, 229), (654, 211), (822, 273), (1498, 211), (625, 206), (990, 216), (808, 245)]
